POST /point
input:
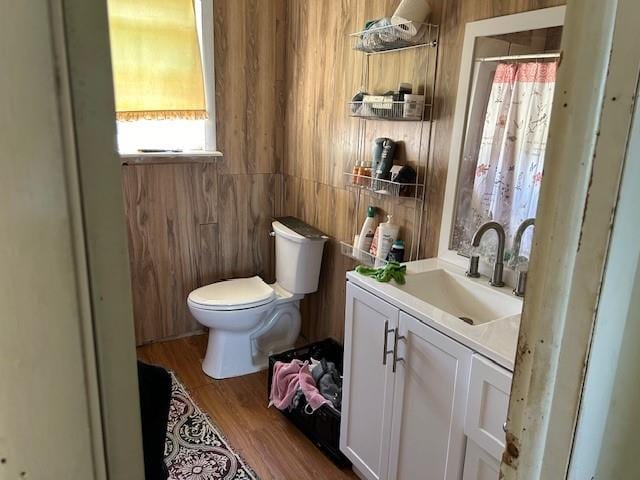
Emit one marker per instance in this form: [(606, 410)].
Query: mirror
[(508, 76)]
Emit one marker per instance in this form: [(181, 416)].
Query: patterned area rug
[(195, 448)]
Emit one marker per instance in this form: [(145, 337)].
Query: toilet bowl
[(248, 319)]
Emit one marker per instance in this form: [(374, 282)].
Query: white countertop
[(496, 340)]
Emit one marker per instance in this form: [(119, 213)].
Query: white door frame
[(84, 62), (605, 445), (69, 404), (593, 108)]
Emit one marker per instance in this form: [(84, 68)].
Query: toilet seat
[(236, 294)]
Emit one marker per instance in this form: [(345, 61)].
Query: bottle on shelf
[(397, 252), (365, 174), (355, 171), (368, 230), (385, 236), (383, 168)]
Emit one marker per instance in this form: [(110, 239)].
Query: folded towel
[(392, 270)]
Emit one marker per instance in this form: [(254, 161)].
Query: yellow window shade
[(157, 69)]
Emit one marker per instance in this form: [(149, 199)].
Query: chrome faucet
[(521, 281), (498, 267)]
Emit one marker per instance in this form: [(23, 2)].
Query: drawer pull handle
[(397, 359), (386, 352)]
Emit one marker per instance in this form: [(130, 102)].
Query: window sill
[(139, 158)]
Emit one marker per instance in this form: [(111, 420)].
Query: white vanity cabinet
[(403, 407)]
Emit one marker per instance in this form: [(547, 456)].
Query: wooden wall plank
[(249, 58), (208, 267), (163, 235), (246, 204)]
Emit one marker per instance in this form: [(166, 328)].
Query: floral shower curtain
[(514, 139)]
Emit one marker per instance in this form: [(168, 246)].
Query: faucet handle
[(473, 266)]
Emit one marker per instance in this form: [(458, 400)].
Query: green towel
[(392, 270)]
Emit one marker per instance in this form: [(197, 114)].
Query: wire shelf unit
[(420, 42), (396, 111), (412, 191), (360, 256), (384, 37)]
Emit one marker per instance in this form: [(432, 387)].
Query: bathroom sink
[(461, 297)]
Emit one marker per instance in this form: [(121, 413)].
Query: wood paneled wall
[(321, 140), (284, 72), (191, 224)]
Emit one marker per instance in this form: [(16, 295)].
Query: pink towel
[(309, 389), (287, 379)]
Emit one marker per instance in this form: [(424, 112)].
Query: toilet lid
[(239, 292)]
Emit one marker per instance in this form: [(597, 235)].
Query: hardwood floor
[(271, 445)]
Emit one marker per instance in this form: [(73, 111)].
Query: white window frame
[(206, 38)]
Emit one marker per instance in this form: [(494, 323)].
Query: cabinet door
[(489, 390), (367, 394), (427, 439), (479, 465)]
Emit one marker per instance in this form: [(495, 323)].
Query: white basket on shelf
[(383, 36), (383, 107)]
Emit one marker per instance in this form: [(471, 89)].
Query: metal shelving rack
[(374, 41)]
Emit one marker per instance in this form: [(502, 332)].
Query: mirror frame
[(532, 20)]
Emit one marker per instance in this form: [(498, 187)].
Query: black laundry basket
[(323, 426)]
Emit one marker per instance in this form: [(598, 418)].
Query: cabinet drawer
[(487, 404)]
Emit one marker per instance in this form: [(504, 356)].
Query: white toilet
[(248, 319)]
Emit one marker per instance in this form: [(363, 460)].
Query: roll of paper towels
[(411, 11)]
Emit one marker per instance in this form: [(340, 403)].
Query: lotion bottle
[(387, 235), (368, 230)]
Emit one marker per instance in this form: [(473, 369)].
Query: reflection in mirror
[(507, 125)]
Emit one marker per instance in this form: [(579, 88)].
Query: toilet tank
[(298, 259)]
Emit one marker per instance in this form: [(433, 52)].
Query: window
[(166, 119)]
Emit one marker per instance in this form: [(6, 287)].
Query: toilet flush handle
[(272, 234)]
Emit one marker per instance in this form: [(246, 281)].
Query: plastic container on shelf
[(413, 107)]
